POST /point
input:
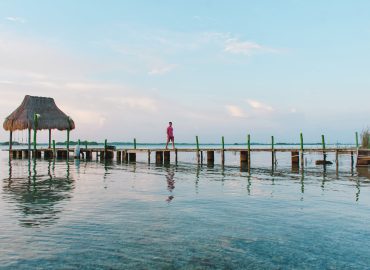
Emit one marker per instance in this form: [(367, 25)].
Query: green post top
[(197, 142), (105, 144), (301, 135), (272, 143), (249, 142), (356, 139), (79, 142), (323, 141), (134, 143), (223, 142), (36, 124)]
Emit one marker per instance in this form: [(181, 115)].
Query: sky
[(124, 69)]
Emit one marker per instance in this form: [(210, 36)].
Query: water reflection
[(38, 197), (170, 182)]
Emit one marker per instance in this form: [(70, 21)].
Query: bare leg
[(167, 143)]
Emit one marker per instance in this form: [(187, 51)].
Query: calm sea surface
[(96, 215)]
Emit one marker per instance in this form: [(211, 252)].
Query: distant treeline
[(72, 143)]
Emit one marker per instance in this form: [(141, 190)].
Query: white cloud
[(235, 46), (137, 103), (162, 69), (16, 19), (235, 111), (257, 105)]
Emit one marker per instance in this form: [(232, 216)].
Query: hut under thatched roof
[(51, 117)]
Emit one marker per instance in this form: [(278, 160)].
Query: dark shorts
[(170, 138)]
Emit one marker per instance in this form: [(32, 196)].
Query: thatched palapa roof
[(51, 117)]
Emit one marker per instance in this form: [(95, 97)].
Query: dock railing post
[(223, 151), (249, 152), (302, 149), (323, 148), (356, 139), (54, 153), (272, 152), (197, 144), (134, 143)]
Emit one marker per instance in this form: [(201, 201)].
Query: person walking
[(170, 136)]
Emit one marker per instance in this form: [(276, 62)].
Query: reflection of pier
[(37, 195), (163, 156)]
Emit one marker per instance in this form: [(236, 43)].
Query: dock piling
[(159, 157), (210, 158)]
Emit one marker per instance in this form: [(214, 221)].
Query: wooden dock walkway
[(163, 156)]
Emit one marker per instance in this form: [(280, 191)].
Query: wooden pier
[(163, 156)]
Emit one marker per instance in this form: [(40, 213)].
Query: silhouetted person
[(170, 136)]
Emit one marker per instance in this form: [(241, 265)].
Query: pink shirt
[(170, 131)]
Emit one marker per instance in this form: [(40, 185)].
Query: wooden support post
[(249, 152), (272, 153), (49, 138), (352, 160), (243, 159), (356, 139), (302, 149), (149, 156), (19, 154), (54, 149), (323, 149), (119, 156), (35, 124), (159, 157), (134, 143), (124, 156), (13, 153), (210, 158), (29, 142), (201, 157), (176, 157), (166, 157), (295, 158), (132, 157), (88, 154), (102, 155), (109, 154), (198, 154), (10, 141), (337, 159), (222, 157)]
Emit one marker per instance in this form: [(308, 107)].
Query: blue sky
[(123, 69)]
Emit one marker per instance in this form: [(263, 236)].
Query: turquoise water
[(94, 215)]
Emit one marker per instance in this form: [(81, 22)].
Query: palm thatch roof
[(51, 117)]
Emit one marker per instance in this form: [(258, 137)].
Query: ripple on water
[(81, 215)]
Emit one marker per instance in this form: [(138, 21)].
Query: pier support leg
[(159, 157), (118, 156), (337, 160), (20, 154), (132, 157), (176, 156), (201, 157), (352, 161), (109, 155), (88, 154), (222, 157), (210, 158), (26, 154), (302, 161), (295, 161), (243, 160), (166, 157), (148, 156), (198, 156), (102, 155)]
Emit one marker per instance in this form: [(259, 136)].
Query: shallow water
[(93, 215)]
